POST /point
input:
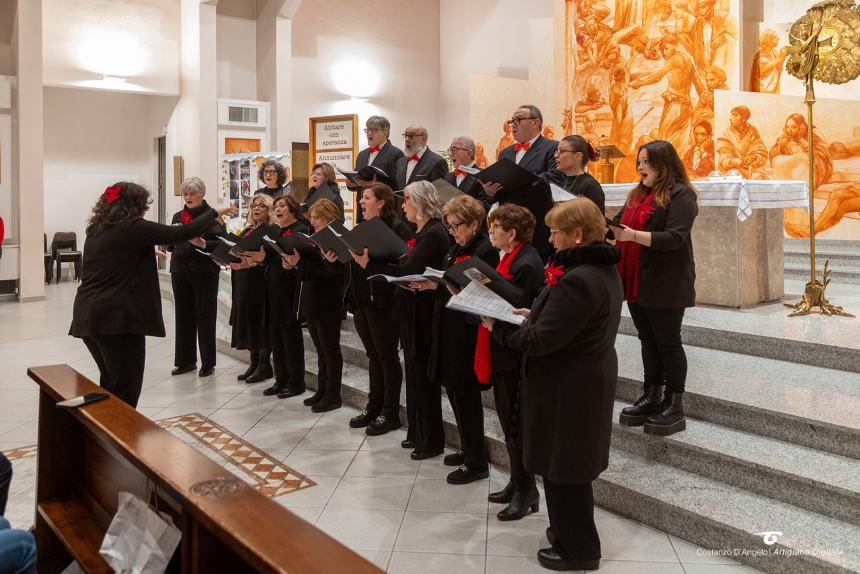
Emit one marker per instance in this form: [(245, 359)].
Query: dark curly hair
[(132, 203), (282, 172)]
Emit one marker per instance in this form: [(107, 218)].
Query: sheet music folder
[(446, 191), (374, 235), (461, 274), (221, 253)]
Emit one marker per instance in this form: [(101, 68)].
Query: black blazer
[(539, 158), (430, 167), (667, 269), (470, 186), (328, 190), (570, 367), (386, 159), (185, 258), (527, 273), (119, 293), (452, 356), (322, 286), (584, 185), (275, 192)]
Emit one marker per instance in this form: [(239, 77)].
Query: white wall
[(236, 33), (92, 140), (399, 39)]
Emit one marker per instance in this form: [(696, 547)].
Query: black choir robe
[(248, 317)]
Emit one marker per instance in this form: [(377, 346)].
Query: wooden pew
[(86, 456)]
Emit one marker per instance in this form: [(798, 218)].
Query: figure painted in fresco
[(480, 157), (715, 79), (621, 132), (548, 132), (715, 32), (506, 140), (593, 97), (788, 156), (589, 132), (741, 148), (677, 107), (567, 122), (699, 159), (767, 64)]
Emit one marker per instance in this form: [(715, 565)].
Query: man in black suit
[(462, 154), (380, 153), (418, 163)]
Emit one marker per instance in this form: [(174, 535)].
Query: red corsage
[(111, 193), (461, 258), (411, 244), (185, 218), (646, 209), (551, 273), (287, 233)]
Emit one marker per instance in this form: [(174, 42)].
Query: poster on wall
[(240, 176), (334, 140), (764, 136)]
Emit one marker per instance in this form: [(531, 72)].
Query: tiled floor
[(398, 513)]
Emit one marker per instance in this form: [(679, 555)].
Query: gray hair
[(380, 122), (427, 203), (467, 143), (534, 111), (193, 183)]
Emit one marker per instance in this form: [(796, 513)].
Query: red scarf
[(634, 217), (483, 365)]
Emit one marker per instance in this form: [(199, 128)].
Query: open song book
[(477, 299)]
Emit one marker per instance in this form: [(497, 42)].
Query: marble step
[(666, 497), (793, 244), (838, 274), (845, 258)]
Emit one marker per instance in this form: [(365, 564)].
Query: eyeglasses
[(371, 130), (516, 121), (559, 151), (260, 205), (270, 171), (453, 226), (413, 134), (453, 149)]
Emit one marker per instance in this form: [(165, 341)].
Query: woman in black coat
[(414, 312), (571, 174), (568, 343), (274, 175), (511, 232), (282, 292), (321, 306), (372, 306), (454, 333), (119, 302), (324, 186), (194, 277), (248, 311), (659, 276)]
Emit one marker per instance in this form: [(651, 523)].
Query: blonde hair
[(325, 209), (269, 203), (465, 207), (578, 213), (426, 199)]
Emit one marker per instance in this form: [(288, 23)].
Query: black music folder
[(477, 269), (446, 191), (373, 234), (509, 174), (221, 253), (250, 242)]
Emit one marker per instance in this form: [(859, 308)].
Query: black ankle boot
[(278, 387), (251, 368), (503, 496), (331, 400), (263, 370), (521, 504), (648, 404), (314, 398), (670, 419)]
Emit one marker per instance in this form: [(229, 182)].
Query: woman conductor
[(118, 302), (659, 276), (570, 369)]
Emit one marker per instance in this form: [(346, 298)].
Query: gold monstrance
[(825, 46)]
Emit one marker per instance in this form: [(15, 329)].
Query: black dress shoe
[(381, 425), (206, 372), (183, 370), (361, 421), (551, 559), (325, 406), (521, 504), (454, 459), (465, 475), (407, 444), (275, 389), (248, 372), (425, 455), (313, 399), (503, 496), (290, 392), (263, 372)]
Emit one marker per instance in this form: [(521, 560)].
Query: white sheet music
[(227, 241), (470, 170), (479, 300), (559, 193), (402, 279), (430, 272)]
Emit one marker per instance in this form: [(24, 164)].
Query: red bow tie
[(459, 172), (374, 149), (524, 147), (413, 158)]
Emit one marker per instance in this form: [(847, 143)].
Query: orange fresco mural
[(764, 136), (638, 70), (241, 145), (767, 64)]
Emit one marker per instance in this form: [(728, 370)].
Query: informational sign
[(334, 140)]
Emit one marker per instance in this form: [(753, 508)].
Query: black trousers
[(288, 354), (195, 296), (5, 482), (506, 392), (423, 396), (663, 356), (469, 414), (120, 359), (325, 334), (571, 517), (380, 336)]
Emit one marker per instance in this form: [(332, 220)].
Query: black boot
[(521, 504), (314, 398), (331, 400), (670, 419), (263, 370), (251, 368), (278, 387), (648, 404), (503, 496)]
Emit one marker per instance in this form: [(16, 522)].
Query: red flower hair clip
[(111, 193), (185, 218), (551, 273)]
